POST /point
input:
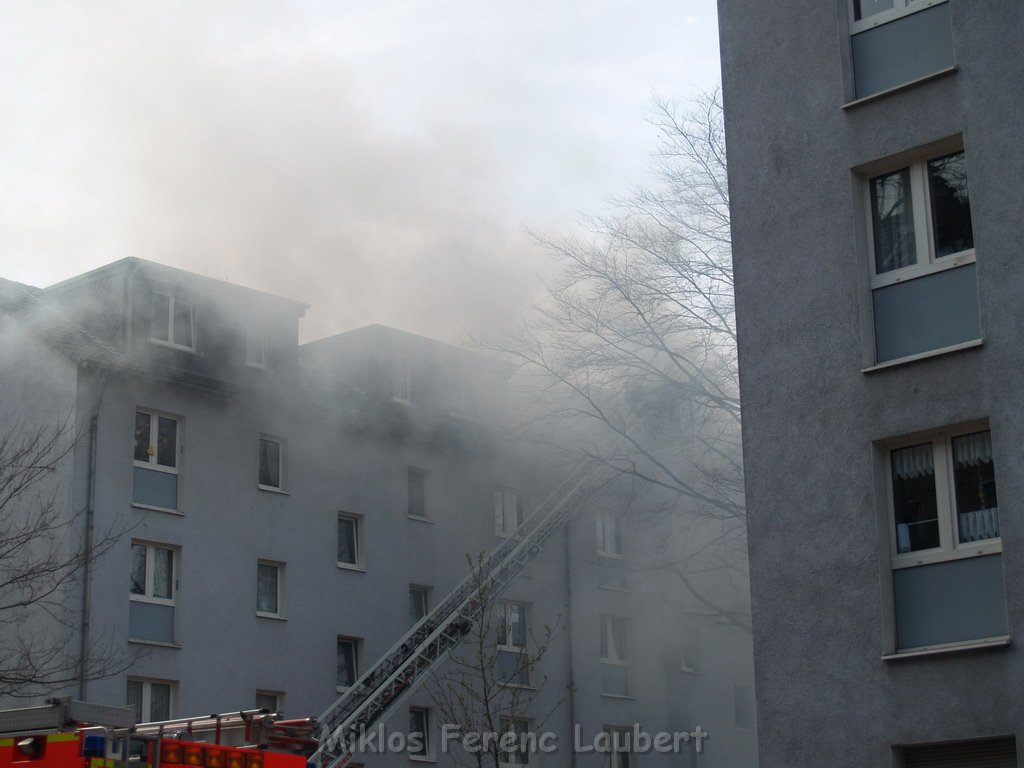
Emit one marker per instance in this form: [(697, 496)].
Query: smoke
[(376, 161)]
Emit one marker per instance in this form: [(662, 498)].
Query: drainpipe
[(83, 649), (568, 639)]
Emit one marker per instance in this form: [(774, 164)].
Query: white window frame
[(604, 521), (147, 695), (278, 700), (282, 463), (425, 474), (256, 341), (508, 726), (148, 596), (154, 424), (630, 753), (171, 300), (357, 526), (356, 643), (507, 528), (949, 547), (900, 9), (924, 237), (280, 568), (428, 743), (508, 608), (424, 592), (401, 381), (606, 631)]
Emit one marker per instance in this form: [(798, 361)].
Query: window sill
[(422, 759), (519, 686), (172, 345), (272, 489), (274, 616), (923, 356), (689, 671), (937, 650), (421, 519), (157, 643), (897, 88), (620, 696), (150, 508), (351, 567), (623, 590)]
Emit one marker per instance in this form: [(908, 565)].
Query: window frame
[(147, 596), (356, 643), (602, 519), (424, 593), (357, 542), (282, 463), (173, 299), (507, 643), (256, 339), (607, 636), (146, 697), (900, 9), (503, 492), (424, 473), (401, 380), (630, 752), (428, 743), (927, 263), (278, 700), (508, 726), (279, 587), (950, 548), (154, 437)]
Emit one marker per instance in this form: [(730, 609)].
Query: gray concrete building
[(875, 191), (282, 513)]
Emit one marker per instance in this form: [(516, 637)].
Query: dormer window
[(173, 321)]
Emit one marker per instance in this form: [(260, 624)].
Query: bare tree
[(630, 359), (44, 550), (487, 687)]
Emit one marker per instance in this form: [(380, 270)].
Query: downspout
[(83, 649), (568, 639)]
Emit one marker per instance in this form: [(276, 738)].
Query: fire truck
[(73, 734)]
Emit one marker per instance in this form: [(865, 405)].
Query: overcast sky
[(377, 159)]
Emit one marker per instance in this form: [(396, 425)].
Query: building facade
[(279, 514), (875, 198)]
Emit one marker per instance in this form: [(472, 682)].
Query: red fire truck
[(74, 734)]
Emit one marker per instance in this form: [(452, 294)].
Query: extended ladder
[(388, 682)]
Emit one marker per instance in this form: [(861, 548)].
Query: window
[(514, 752), (256, 344), (418, 492), (153, 700), (272, 701), (619, 747), (152, 593), (944, 539), (508, 511), (513, 660), (348, 662), (611, 568), (157, 450), (895, 42), (271, 477), (614, 673), (350, 549), (270, 589), (419, 732), (417, 603), (921, 253), (401, 390), (512, 630), (173, 321), (689, 660)]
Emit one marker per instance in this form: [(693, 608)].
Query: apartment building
[(875, 192), (284, 512)]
